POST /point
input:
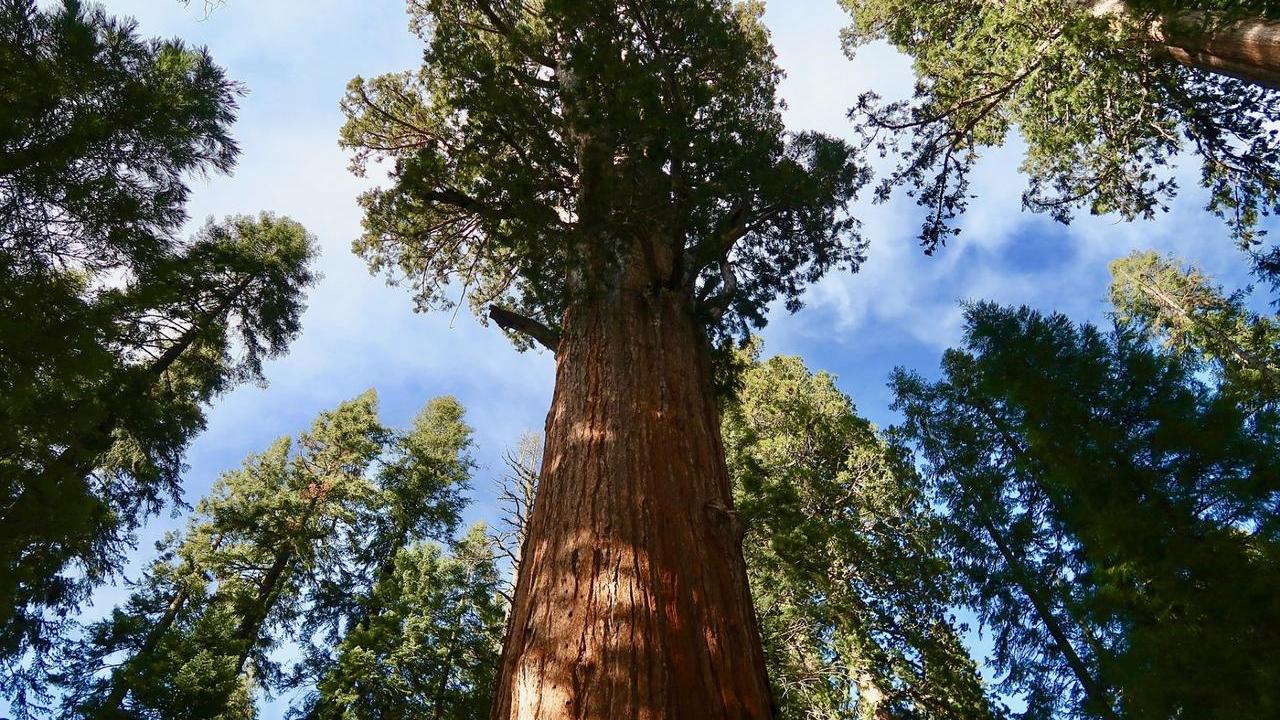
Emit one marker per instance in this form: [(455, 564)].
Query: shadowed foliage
[(115, 331), (1114, 516), (853, 592)]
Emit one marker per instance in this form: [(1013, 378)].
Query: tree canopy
[(100, 132), (98, 446), (1113, 515), (432, 649), (1103, 109), (116, 330), (853, 593), (278, 552), (540, 142), (223, 597), (1183, 310)]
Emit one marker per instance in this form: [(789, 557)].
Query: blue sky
[(295, 57)]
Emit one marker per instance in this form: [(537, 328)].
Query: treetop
[(543, 146)]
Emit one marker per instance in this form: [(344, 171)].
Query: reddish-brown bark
[(632, 598), (1247, 48), (1244, 49)]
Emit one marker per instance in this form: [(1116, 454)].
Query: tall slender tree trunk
[(1099, 694), (120, 680), (632, 599), (120, 685), (1246, 48), (249, 631)]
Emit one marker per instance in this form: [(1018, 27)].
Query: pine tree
[(1115, 518), (432, 648), (100, 131), (197, 636), (613, 181), (1105, 94), (420, 482), (853, 594)]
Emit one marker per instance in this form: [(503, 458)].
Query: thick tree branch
[(456, 198), (736, 226), (517, 323), (717, 305)]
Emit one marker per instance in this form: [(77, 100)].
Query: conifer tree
[(420, 480), (432, 648), (853, 594), (611, 180), (197, 636), (114, 330), (100, 132), (1114, 516), (1183, 310), (1105, 94), (194, 325)]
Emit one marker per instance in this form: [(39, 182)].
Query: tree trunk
[(249, 632), (1247, 49), (871, 699), (119, 682), (120, 686), (1099, 695), (632, 598)]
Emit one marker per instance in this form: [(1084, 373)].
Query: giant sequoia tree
[(1104, 93), (611, 179)]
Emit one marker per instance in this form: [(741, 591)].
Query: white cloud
[(295, 57)]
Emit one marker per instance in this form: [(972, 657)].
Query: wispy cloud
[(295, 56)]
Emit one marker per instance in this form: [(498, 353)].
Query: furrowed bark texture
[(1246, 49), (632, 598)]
